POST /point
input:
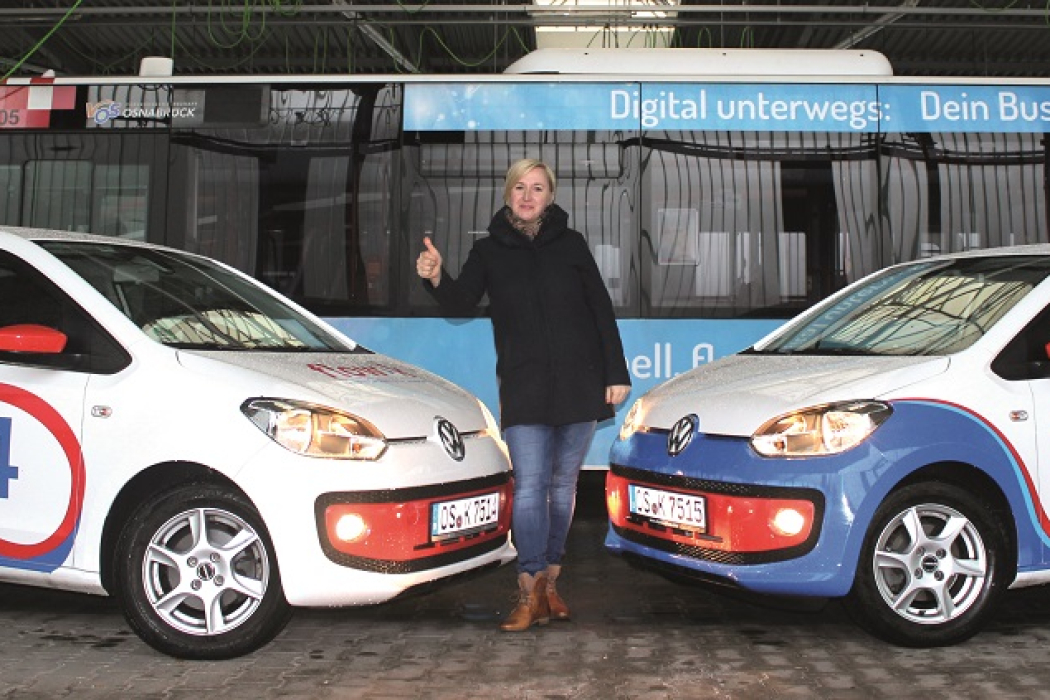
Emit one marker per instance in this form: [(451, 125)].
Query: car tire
[(932, 568), (197, 577)]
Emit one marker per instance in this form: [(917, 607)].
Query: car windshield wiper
[(357, 350), (297, 349)]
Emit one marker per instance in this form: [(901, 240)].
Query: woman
[(560, 365)]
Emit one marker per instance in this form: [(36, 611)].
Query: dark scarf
[(527, 228)]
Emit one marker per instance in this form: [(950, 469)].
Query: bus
[(717, 202)]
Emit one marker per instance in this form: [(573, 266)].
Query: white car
[(177, 435), (890, 447)]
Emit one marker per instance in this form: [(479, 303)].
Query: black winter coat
[(557, 344)]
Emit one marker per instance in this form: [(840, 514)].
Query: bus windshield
[(929, 308), (186, 301)]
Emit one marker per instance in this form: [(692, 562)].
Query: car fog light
[(612, 500), (788, 522), (351, 527)]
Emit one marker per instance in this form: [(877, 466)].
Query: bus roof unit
[(667, 61)]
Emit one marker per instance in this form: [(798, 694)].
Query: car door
[(42, 472), (1025, 361)]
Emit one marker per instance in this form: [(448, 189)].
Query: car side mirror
[(30, 337)]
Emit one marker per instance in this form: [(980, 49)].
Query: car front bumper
[(772, 526), (394, 549)]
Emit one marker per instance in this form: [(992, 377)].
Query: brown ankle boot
[(558, 609), (531, 608)]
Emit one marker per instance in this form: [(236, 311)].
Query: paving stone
[(633, 635)]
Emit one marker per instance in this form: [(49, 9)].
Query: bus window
[(10, 194), (120, 201), (80, 195), (58, 195), (752, 223), (303, 200), (455, 180), (950, 192), (106, 182), (224, 222)]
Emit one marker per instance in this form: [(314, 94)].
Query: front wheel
[(932, 568), (197, 576)]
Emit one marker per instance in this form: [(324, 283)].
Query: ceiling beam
[(620, 11)]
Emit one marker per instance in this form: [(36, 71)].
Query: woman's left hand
[(616, 393)]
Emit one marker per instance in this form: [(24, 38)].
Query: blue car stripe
[(1036, 512)]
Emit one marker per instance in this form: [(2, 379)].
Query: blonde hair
[(518, 170)]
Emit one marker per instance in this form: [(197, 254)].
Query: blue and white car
[(890, 447), (177, 435)]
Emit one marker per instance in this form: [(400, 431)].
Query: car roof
[(1030, 249), (46, 234), (40, 234)]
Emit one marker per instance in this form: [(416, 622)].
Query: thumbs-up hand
[(428, 264)]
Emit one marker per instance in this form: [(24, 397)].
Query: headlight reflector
[(315, 431), (491, 425), (820, 430), (632, 421)]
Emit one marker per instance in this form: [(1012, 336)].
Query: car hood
[(400, 399), (737, 394)]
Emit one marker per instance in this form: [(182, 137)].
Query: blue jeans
[(546, 461)]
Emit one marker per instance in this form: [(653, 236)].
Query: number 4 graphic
[(7, 471)]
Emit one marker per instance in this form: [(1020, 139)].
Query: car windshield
[(186, 301), (930, 308)]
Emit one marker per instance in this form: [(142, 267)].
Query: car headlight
[(632, 421), (820, 430), (315, 431), (491, 426)]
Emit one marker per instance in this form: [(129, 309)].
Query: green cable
[(247, 10), (41, 42)]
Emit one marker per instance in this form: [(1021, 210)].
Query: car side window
[(27, 296), (1025, 357)]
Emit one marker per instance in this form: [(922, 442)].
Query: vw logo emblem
[(451, 439), (681, 435)]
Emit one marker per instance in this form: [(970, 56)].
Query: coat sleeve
[(462, 294), (615, 363)]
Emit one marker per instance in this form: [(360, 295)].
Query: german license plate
[(463, 516), (679, 509)]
